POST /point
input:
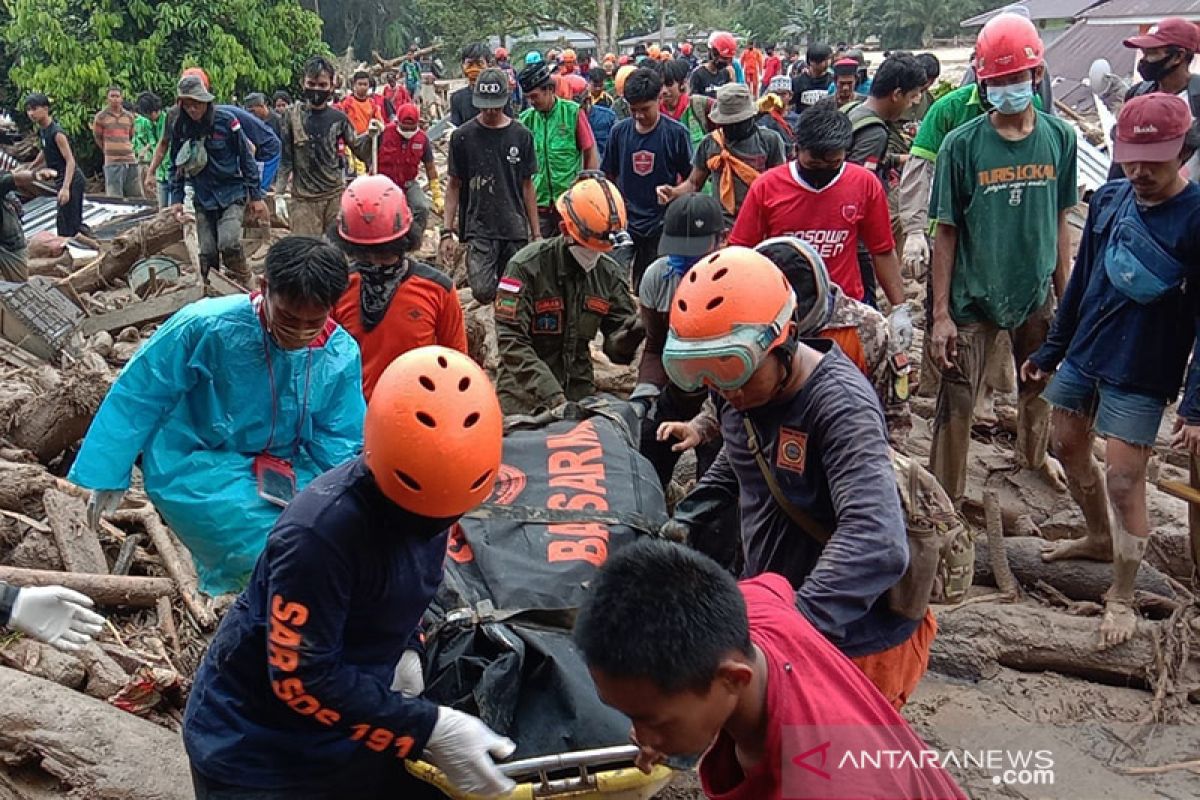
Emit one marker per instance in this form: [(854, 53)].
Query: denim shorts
[(1119, 413)]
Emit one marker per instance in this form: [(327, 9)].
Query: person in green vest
[(562, 139), (148, 128)]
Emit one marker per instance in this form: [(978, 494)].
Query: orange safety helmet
[(433, 433), (622, 75), (501, 54), (592, 211), (199, 73), (1007, 44), (654, 51), (373, 211), (723, 44)]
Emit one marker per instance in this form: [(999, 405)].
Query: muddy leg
[(1126, 474), (1072, 436), (1033, 421)]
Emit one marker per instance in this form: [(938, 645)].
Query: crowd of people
[(731, 224)]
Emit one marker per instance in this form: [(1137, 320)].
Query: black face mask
[(426, 528), (818, 178), (737, 131), (1155, 71), (720, 64), (318, 97)]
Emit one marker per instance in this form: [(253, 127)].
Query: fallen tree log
[(1077, 579), (77, 544), (50, 423), (184, 579), (145, 239), (94, 749), (105, 590), (973, 641)]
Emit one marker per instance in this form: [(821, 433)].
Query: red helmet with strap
[(724, 45), (373, 211), (1008, 43)]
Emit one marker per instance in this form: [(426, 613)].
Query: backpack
[(941, 548)]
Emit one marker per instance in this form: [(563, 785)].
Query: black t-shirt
[(705, 82), (807, 90), (55, 158), (492, 164), (462, 107)]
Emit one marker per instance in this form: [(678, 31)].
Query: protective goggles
[(724, 362)]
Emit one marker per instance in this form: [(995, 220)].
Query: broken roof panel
[(1038, 10), (1070, 56), (1141, 12), (105, 216)]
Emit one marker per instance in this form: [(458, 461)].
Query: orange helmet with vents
[(432, 436), (623, 75), (373, 211), (592, 211), (731, 309)]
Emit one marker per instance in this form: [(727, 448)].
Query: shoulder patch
[(431, 273), (791, 450), (509, 284)]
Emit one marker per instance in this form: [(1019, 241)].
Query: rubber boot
[(237, 269)]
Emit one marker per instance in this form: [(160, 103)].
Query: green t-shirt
[(1004, 198), (146, 135), (946, 114)]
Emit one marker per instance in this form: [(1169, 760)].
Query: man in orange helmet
[(393, 303), (806, 456), (1005, 182), (569, 83), (300, 693), (556, 294)]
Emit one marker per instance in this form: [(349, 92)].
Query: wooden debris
[(1001, 570), (1076, 578), (145, 312), (105, 590), (78, 545), (48, 424), (166, 624), (147, 238), (127, 554), (167, 551)]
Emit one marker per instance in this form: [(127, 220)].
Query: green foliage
[(73, 50)]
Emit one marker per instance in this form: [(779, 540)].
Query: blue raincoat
[(196, 403)]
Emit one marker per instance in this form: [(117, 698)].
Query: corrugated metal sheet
[(105, 218), (1038, 10), (1070, 57), (1151, 10), (1093, 164)]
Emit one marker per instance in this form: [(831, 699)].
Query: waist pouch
[(1138, 266)]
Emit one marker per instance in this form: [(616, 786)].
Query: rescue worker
[(735, 154), (315, 136), (752, 68), (210, 151), (568, 83), (403, 148), (300, 693), (505, 66), (772, 66), (56, 615), (685, 53), (362, 108), (562, 140), (718, 70), (393, 303), (620, 104), (806, 456), (233, 405), (556, 294), (1120, 343), (1005, 184)]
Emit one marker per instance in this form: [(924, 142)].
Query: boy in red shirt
[(820, 198), (393, 303), (736, 673)]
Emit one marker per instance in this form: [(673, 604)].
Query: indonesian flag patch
[(508, 284)]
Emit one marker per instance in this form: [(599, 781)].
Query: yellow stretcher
[(603, 774)]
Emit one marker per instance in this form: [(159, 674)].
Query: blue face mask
[(679, 265), (1012, 99)]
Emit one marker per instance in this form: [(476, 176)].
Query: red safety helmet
[(433, 433), (373, 211), (501, 54), (686, 48), (1007, 44), (623, 61), (724, 45), (199, 73)]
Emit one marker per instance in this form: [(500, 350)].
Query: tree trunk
[(50, 424), (123, 591), (603, 45), (662, 20), (614, 25)]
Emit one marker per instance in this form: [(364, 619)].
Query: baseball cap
[(408, 112), (845, 66), (491, 89), (691, 226), (191, 87), (1151, 127), (1171, 32), (734, 104)]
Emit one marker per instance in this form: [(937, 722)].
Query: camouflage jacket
[(547, 311)]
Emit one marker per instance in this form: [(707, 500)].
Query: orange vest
[(847, 339)]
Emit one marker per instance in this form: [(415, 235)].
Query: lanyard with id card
[(275, 476)]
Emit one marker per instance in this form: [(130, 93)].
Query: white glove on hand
[(281, 208), (102, 501), (916, 253), (374, 127), (901, 324), (462, 747), (409, 679), (57, 616)]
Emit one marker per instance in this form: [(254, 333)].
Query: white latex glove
[(900, 323), (463, 747), (102, 501), (58, 616), (409, 679), (916, 253), (281, 208), (374, 127)]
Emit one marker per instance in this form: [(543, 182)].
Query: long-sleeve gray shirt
[(311, 152)]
